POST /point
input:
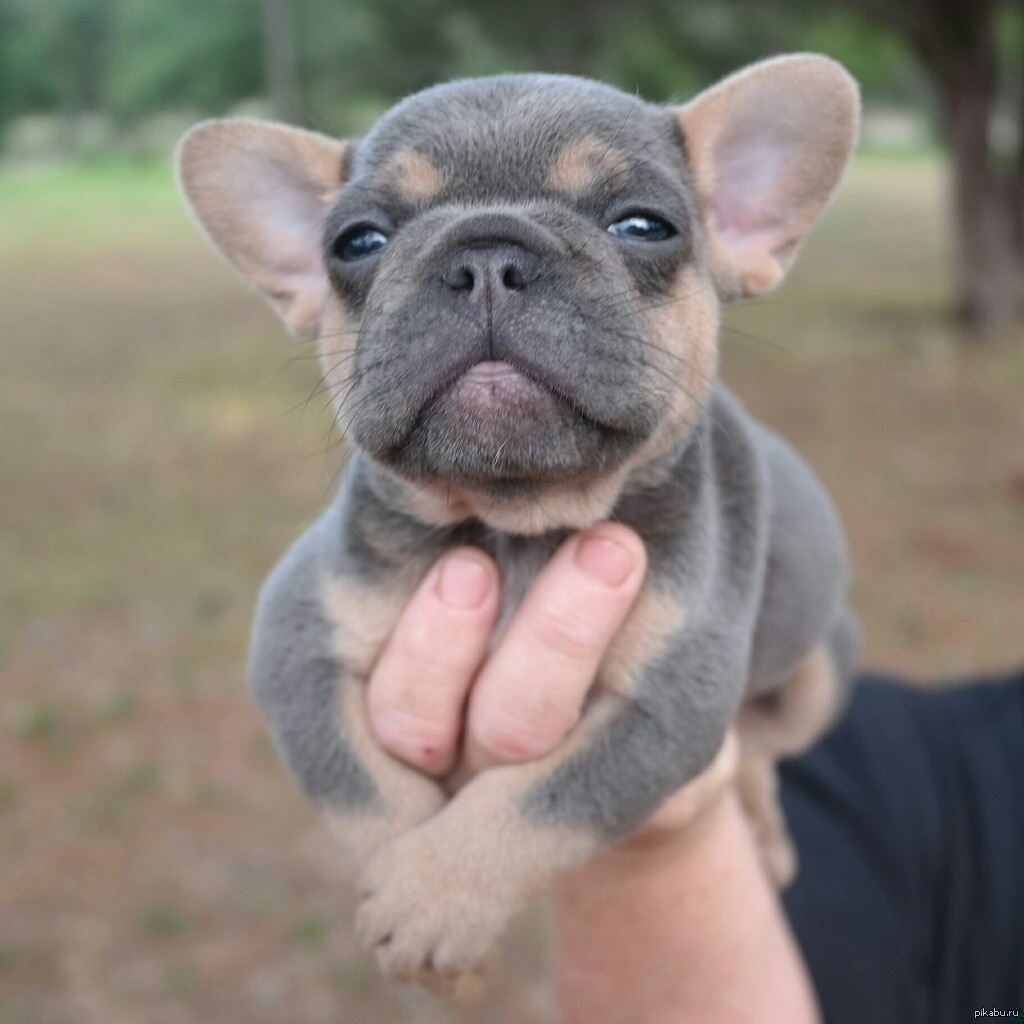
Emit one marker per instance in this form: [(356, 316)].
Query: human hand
[(436, 695)]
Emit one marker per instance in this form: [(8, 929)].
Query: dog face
[(518, 229), (516, 281)]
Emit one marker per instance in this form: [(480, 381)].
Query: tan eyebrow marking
[(582, 163), (415, 176)]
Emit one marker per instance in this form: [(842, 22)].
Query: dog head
[(516, 281)]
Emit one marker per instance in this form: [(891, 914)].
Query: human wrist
[(656, 850), (683, 928)]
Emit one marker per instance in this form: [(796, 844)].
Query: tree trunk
[(988, 261), (1018, 179), (1017, 185), (281, 59), (956, 42)]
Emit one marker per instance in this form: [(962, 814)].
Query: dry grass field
[(157, 454)]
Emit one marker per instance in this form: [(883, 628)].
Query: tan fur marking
[(581, 164), (416, 178), (436, 504), (684, 329), (655, 616), (489, 802), (787, 720), (363, 619), (775, 725), (573, 505)]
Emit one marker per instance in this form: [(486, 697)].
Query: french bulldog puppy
[(516, 283)]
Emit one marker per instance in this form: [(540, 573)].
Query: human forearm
[(678, 929)]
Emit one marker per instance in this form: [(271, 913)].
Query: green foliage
[(358, 56), (875, 58), (51, 56), (192, 54), (1010, 37), (133, 58)]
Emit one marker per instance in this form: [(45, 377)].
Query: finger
[(418, 689), (530, 692)]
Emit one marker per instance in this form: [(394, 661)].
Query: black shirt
[(909, 821)]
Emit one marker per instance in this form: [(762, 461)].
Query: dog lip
[(491, 371), (491, 385)]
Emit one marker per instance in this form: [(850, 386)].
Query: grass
[(312, 930), (117, 706), (82, 206), (151, 473), (162, 920), (40, 721)]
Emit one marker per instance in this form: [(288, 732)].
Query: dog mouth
[(495, 422)]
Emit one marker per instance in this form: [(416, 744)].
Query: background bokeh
[(161, 442)]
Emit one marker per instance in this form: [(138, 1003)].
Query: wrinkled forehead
[(517, 137)]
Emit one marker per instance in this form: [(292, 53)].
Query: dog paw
[(428, 912)]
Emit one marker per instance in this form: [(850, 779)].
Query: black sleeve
[(909, 821)]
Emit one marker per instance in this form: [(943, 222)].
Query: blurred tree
[(659, 47), (358, 56), (188, 55), (973, 52), (20, 82), (53, 58)]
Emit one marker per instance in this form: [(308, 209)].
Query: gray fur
[(806, 571), (294, 672)]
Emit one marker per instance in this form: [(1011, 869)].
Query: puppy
[(516, 283)]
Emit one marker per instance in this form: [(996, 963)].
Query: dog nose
[(499, 272)]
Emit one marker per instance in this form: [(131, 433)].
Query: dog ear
[(767, 147), (260, 191)]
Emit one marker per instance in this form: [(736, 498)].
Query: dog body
[(516, 283)]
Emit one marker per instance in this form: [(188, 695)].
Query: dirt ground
[(157, 454)]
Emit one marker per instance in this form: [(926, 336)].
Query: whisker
[(771, 343)]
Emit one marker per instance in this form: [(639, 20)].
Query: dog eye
[(359, 242), (642, 227)]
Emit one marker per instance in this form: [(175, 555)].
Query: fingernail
[(605, 560), (464, 582)]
